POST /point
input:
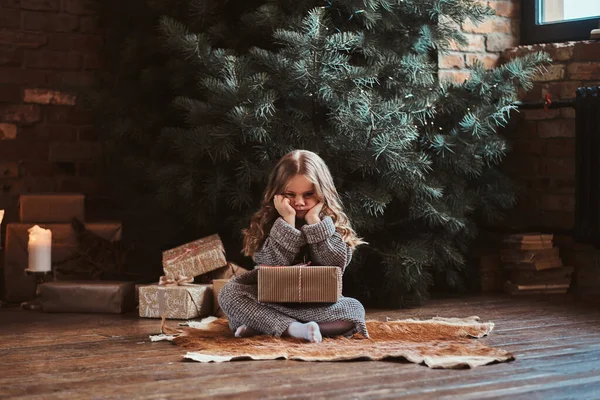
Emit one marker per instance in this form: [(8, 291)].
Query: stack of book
[(533, 265)]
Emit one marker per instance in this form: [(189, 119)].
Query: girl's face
[(301, 193)]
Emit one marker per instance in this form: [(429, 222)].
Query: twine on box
[(163, 282), (299, 285)]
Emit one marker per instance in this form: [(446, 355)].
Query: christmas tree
[(414, 159)]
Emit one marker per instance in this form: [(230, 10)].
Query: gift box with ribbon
[(195, 258), (231, 270), (299, 284), (175, 298)]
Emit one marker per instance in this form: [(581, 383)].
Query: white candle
[(40, 249)]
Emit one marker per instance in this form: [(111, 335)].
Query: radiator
[(587, 166)]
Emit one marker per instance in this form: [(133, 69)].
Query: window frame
[(531, 33)]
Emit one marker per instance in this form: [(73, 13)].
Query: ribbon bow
[(180, 280), (163, 282)]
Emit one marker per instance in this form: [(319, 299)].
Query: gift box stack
[(73, 288), (175, 296), (533, 265)]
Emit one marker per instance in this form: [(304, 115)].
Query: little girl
[(300, 220)]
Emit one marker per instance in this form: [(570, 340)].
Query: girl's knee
[(230, 297), (353, 304), (226, 297)]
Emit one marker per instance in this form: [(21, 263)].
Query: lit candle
[(40, 249)]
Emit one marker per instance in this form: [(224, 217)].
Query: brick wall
[(543, 157), (486, 41), (48, 50), (542, 160)]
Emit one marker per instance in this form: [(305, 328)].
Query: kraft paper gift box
[(299, 284), (184, 301), (195, 258), (111, 297), (20, 287), (231, 270), (217, 286), (51, 207)]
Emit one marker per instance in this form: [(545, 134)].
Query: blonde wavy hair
[(316, 171)]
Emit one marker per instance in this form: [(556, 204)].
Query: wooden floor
[(556, 343)]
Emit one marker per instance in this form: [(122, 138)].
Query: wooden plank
[(457, 383), (528, 386), (80, 353), (570, 390), (555, 340), (329, 377)]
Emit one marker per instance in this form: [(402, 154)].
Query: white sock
[(245, 331), (309, 331)]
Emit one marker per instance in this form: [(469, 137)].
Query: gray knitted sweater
[(285, 243)]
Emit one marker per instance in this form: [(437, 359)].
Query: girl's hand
[(313, 215), (285, 209)]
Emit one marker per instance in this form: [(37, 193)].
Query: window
[(547, 21)]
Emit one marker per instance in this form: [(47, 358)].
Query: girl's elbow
[(342, 262), (346, 259), (258, 259)]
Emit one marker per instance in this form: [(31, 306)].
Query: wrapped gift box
[(217, 286), (21, 287), (51, 208), (137, 290), (299, 284), (87, 297), (231, 270), (195, 258), (184, 301)]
